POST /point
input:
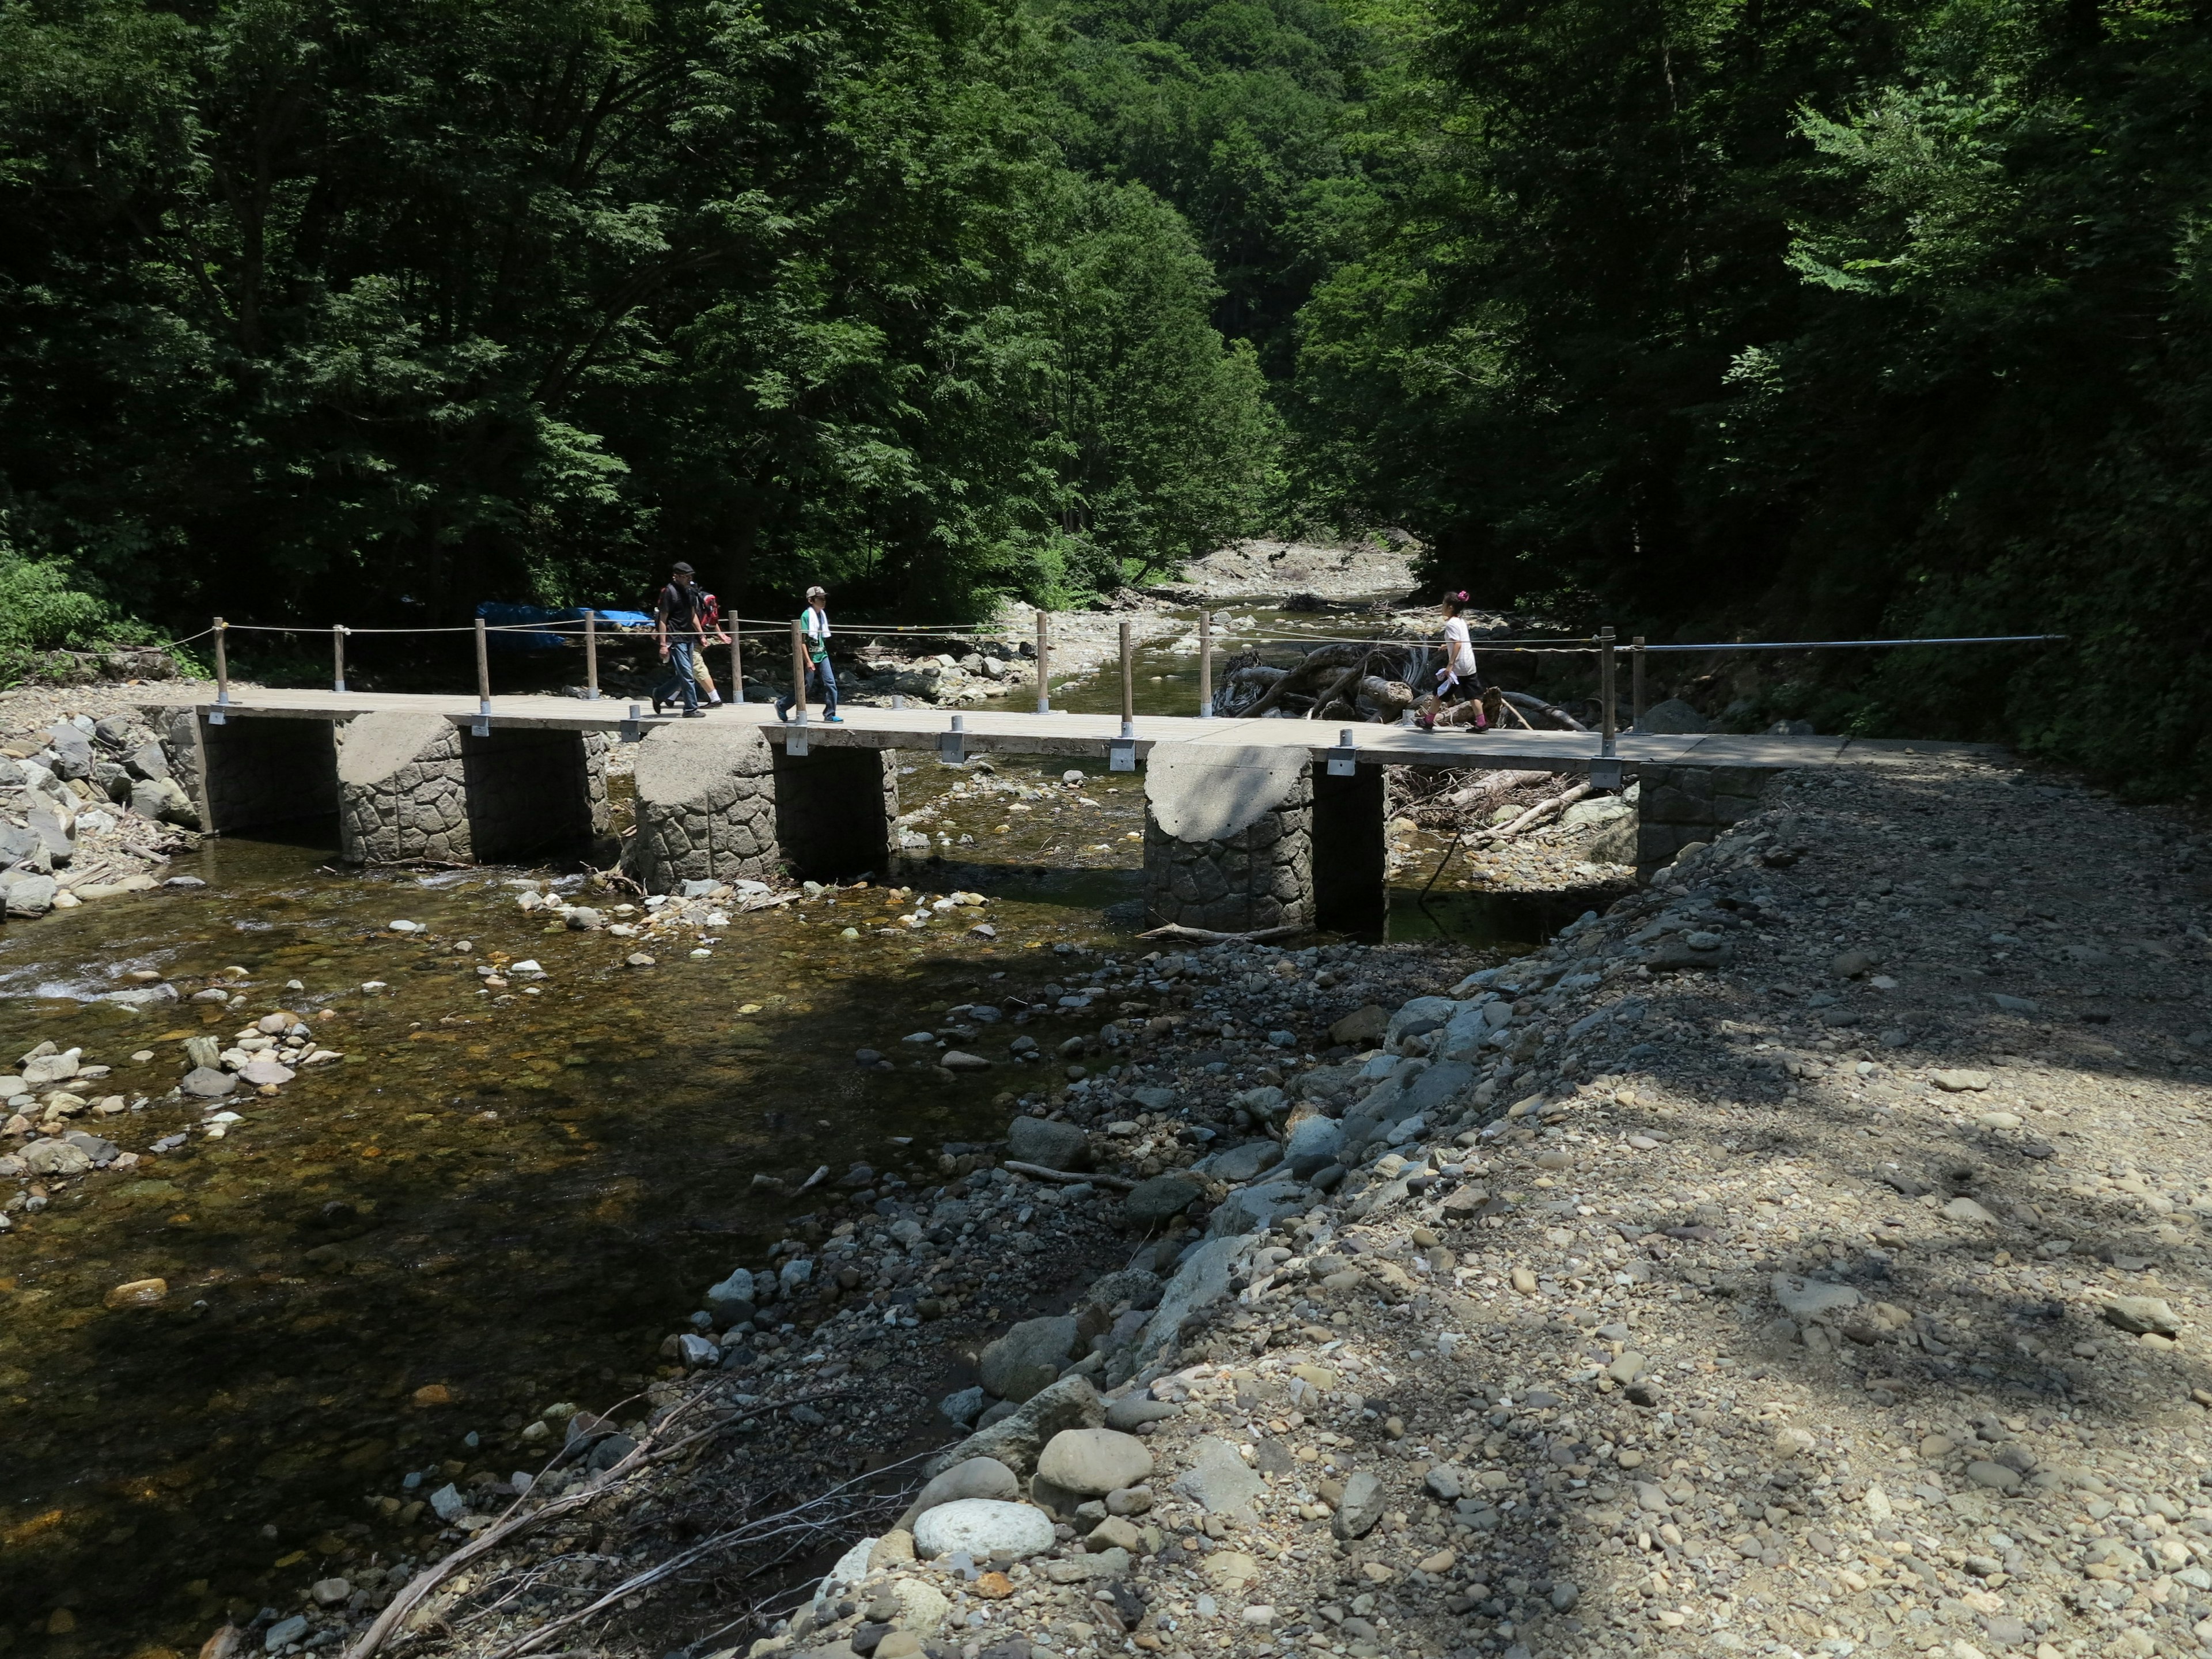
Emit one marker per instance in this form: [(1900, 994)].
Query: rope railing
[(1605, 645)]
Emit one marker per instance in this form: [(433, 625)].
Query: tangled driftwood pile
[(1374, 683)]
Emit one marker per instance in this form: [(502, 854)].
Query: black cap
[(682, 569)]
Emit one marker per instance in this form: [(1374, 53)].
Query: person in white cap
[(821, 679)]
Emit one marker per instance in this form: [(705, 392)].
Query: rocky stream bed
[(1804, 1255)]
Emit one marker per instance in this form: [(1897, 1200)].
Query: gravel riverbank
[(1804, 1256)]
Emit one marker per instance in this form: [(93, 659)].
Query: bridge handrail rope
[(1605, 645)]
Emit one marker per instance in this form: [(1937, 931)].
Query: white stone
[(982, 1527)]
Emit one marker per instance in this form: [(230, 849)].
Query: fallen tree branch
[(1542, 810), (752, 1531), (1537, 705), (419, 1589), (1208, 936), (1038, 1172)]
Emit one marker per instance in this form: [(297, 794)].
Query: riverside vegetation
[(1814, 320)]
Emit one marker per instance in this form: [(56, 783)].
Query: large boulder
[(983, 1527), (1091, 1462), (1673, 717), (1055, 1146), (1155, 1202), (1029, 1356)]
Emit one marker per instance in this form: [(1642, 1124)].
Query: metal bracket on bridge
[(796, 743), (1343, 759), (1605, 773), (633, 729), (216, 717), (951, 745), (1121, 751)]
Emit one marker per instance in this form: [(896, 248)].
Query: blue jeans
[(822, 681), (682, 680)]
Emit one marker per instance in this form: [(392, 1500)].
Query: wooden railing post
[(1605, 683), (1206, 664), (1128, 687), (1636, 684), (1045, 663), (799, 668), (222, 663), (483, 671), (590, 654), (337, 658)]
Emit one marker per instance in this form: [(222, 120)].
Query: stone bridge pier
[(1242, 839), (720, 803), (1679, 804), (418, 787)]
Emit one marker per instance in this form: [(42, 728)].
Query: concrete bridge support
[(1229, 841), (415, 786), (706, 807), (834, 811), (1679, 804)]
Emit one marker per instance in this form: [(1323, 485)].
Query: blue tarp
[(533, 616)]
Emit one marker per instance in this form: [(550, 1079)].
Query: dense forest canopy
[(1842, 316)]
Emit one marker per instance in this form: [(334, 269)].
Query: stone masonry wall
[(1259, 875), (416, 787), (403, 792), (706, 807), (1678, 804)]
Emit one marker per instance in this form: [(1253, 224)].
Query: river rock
[(1202, 1280), (31, 896), (285, 1632), (138, 1293), (982, 1527), (448, 1503), (55, 1158), (1673, 717), (1361, 1507), (207, 1083), (2141, 1315), (1153, 1203), (1244, 1162), (1135, 1410), (1219, 1480), (730, 1301), (1362, 1029), (1312, 1145), (1015, 1441), (1959, 1082), (1055, 1146), (956, 1060), (1028, 1357), (261, 1071), (979, 1477), (1092, 1463), (1811, 1300), (49, 1068)]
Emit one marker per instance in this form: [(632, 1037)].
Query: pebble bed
[(1805, 1255)]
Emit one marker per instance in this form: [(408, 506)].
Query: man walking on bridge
[(821, 679), (679, 622)]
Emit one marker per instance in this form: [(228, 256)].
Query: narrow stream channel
[(494, 1202)]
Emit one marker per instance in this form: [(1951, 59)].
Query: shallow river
[(494, 1202)]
